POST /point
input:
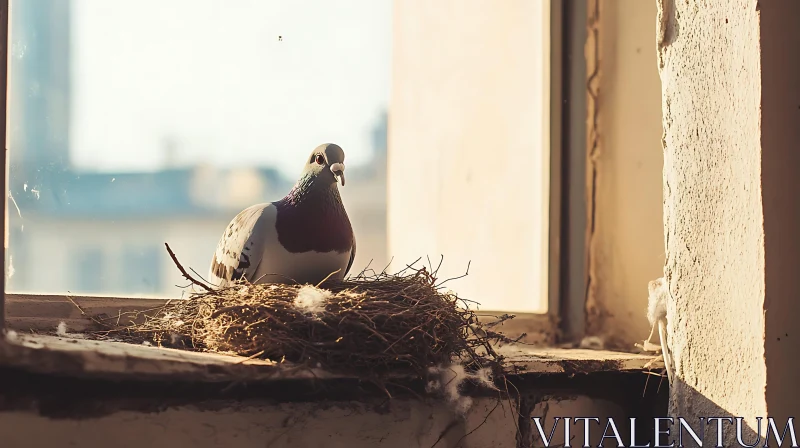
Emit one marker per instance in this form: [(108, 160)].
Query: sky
[(225, 82)]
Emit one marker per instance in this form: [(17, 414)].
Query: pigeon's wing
[(352, 257), (241, 247)]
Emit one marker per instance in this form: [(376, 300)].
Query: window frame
[(4, 34), (573, 203), (566, 317)]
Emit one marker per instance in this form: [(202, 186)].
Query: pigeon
[(304, 238)]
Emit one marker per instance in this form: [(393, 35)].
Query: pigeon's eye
[(320, 160)]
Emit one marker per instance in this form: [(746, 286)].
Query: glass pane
[(134, 123), (139, 122)]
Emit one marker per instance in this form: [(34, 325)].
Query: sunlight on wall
[(469, 146)]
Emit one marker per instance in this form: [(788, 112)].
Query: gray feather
[(241, 247)]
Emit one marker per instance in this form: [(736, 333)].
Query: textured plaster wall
[(731, 107), (401, 424), (712, 205), (627, 247)]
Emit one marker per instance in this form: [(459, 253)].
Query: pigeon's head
[(326, 163)]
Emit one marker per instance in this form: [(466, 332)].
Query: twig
[(285, 277), (511, 405), (408, 266), (183, 271), (485, 419), (250, 357), (383, 272), (199, 276), (447, 429), (83, 313), (455, 278), (328, 276), (441, 260)]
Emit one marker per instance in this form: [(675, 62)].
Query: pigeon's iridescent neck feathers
[(311, 217), (310, 188)]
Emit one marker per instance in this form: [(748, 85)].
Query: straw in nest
[(368, 325)]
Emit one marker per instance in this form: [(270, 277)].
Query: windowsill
[(78, 357), (65, 356), (75, 378)]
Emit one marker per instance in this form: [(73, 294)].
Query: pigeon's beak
[(338, 172)]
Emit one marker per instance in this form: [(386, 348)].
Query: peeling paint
[(624, 162), (594, 308)]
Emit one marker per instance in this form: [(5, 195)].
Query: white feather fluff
[(657, 300), (447, 380), (311, 299)]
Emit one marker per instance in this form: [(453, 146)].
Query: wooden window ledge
[(78, 357), (67, 356)]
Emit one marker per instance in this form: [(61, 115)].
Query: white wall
[(468, 145)]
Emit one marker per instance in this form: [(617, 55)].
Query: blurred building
[(103, 232), (39, 89)]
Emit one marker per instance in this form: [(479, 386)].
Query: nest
[(368, 325)]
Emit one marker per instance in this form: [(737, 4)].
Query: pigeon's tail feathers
[(239, 249)]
